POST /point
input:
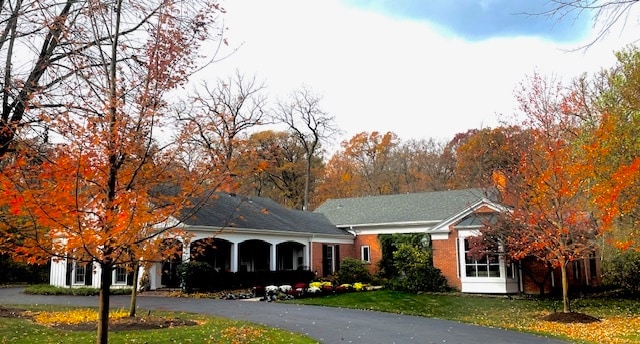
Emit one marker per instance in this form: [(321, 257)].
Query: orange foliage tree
[(109, 189), (550, 220), (611, 153)]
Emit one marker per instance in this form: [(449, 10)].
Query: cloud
[(396, 69), (476, 20)]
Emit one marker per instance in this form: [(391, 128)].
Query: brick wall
[(346, 250), (445, 259), (375, 250)]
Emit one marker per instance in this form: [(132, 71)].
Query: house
[(449, 218), (235, 234), (254, 234)]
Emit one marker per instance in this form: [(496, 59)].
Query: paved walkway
[(326, 324)]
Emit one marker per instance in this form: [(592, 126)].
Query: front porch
[(236, 261)]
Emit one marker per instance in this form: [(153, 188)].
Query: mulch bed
[(570, 318)]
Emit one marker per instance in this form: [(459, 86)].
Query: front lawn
[(620, 318), (22, 324)]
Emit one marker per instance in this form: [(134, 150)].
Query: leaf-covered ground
[(84, 320)]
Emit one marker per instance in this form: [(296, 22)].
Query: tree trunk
[(103, 305), (134, 290), (565, 289)]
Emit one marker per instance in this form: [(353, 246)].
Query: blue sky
[(476, 20), (421, 69)]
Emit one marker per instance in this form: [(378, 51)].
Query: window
[(511, 271), (365, 254), (577, 270), (121, 276), (487, 266), (80, 274)]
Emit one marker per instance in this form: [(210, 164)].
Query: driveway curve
[(325, 324)]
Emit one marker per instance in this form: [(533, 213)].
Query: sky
[(421, 69)]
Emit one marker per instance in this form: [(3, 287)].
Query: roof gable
[(426, 207)]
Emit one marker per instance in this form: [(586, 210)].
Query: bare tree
[(310, 125), (220, 115), (606, 13)]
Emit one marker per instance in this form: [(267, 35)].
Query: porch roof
[(225, 210)]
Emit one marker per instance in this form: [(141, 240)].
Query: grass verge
[(210, 330), (620, 318)]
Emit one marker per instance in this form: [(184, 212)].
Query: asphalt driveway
[(326, 324)]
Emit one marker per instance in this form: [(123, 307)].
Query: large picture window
[(487, 266)]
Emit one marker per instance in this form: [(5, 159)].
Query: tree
[(426, 167), (220, 117), (310, 125), (275, 165), (486, 152), (550, 220), (605, 13), (372, 155), (108, 188), (612, 147)]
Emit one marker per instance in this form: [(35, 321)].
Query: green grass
[(620, 317), (46, 289), (212, 330)]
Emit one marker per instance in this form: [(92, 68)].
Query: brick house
[(449, 218), (237, 233)]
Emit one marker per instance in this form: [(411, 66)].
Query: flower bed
[(299, 290)]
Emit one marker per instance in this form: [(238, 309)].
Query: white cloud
[(377, 73)]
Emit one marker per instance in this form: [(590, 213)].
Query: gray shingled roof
[(235, 211), (412, 207)]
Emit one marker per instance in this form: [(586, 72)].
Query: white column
[(186, 251), (272, 262), (234, 257), (305, 256)]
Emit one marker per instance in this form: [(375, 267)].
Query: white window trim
[(76, 267), (362, 253), (115, 274)]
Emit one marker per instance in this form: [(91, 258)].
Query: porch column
[(272, 261), (234, 257), (305, 256), (186, 251)]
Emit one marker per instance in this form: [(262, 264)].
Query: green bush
[(195, 275), (417, 272), (351, 271), (622, 270), (20, 272)]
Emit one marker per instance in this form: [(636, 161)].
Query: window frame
[(79, 270), (482, 268), (365, 253), (120, 271)]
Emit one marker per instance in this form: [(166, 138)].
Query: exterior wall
[(589, 275), (375, 250), (58, 276), (346, 250), (445, 257), (316, 258)]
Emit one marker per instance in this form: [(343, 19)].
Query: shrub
[(417, 270), (195, 275), (351, 271), (622, 270)]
